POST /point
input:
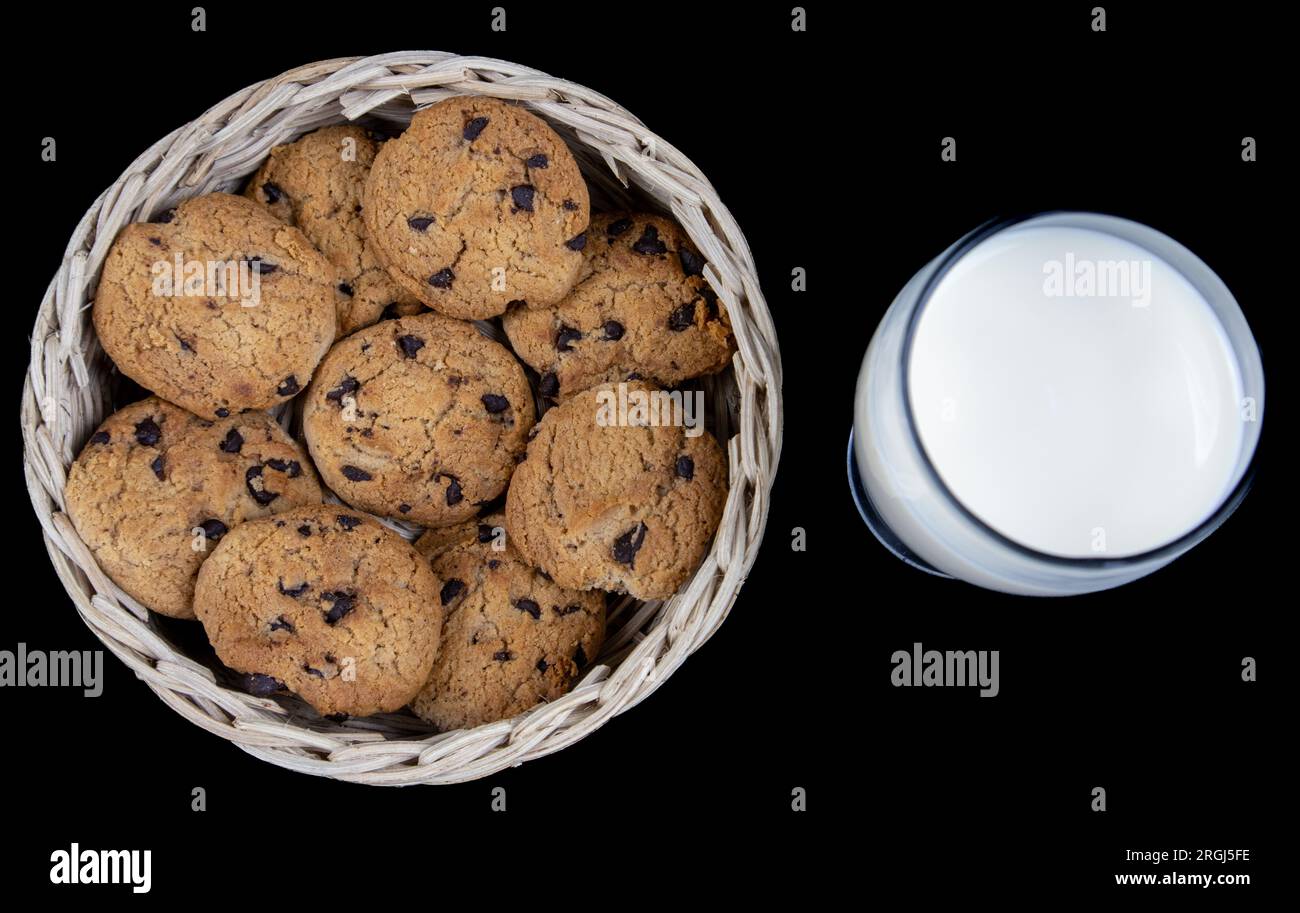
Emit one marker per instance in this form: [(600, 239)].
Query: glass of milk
[(1055, 405)]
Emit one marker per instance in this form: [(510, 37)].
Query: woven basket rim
[(64, 399)]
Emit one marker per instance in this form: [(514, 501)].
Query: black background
[(825, 145)]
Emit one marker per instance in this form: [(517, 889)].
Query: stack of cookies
[(344, 282)]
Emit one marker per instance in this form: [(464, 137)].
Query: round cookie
[(187, 335), (641, 307), (326, 603), (478, 204), (511, 639), (420, 418), (156, 488), (315, 183), (628, 507)]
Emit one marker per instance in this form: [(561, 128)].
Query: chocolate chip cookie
[(420, 418), (614, 496), (512, 637), (315, 183), (326, 603), (219, 307), (156, 488), (641, 307), (478, 204)]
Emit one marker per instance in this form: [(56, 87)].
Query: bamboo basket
[(72, 386)]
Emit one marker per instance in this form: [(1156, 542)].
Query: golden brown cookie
[(326, 603), (614, 497), (156, 488), (421, 418), (641, 308), (478, 204), (512, 638), (219, 308), (315, 183)]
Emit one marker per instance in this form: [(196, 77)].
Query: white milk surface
[(1084, 420)]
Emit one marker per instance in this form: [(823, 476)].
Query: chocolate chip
[(443, 278), (570, 205), (692, 263), (649, 243), (262, 267), (148, 433), (549, 385), (345, 289), (310, 671), (233, 442), (223, 413), (493, 564), (565, 337), (409, 345), (635, 375), (577, 242), (282, 624), (495, 403), (347, 521), (293, 591), (485, 533), (272, 192), (614, 229), (156, 242), (538, 161), (291, 468), (288, 386), (213, 530), (356, 474), (157, 467), (454, 494), (420, 223), (541, 665), (185, 345), (259, 685), (580, 657), (253, 482), (474, 127), (683, 318), (613, 330), (567, 610), (522, 196), (685, 468), (503, 656), (166, 216), (347, 385), (404, 508), (451, 589), (99, 437), (342, 602), (304, 530), (528, 606), (627, 545)]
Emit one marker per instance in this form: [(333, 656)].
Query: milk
[(1075, 392)]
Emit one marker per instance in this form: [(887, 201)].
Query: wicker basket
[(71, 387)]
